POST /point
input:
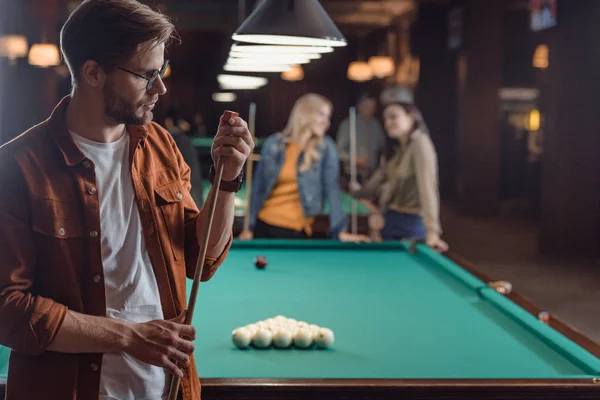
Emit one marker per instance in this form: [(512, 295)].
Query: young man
[(98, 230), (370, 138)]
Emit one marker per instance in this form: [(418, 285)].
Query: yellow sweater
[(283, 208)]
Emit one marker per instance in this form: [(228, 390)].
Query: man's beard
[(122, 111)]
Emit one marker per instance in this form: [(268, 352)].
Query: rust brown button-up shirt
[(50, 250)]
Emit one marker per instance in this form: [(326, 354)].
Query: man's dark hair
[(110, 32), (364, 96)]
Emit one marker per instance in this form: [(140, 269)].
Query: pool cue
[(354, 210), (176, 381), (251, 123)]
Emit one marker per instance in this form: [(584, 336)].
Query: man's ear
[(93, 74)]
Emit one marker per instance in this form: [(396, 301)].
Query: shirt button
[(61, 231), (94, 234), (87, 164), (97, 278), (179, 195), (94, 367), (92, 190)]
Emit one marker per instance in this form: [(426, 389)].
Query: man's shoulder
[(157, 133), (32, 141)]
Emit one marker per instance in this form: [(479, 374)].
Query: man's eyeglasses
[(153, 75)]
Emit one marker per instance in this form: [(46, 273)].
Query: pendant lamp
[(290, 22)]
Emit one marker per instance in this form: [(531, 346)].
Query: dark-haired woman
[(406, 186)]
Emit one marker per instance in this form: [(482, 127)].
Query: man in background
[(370, 139)]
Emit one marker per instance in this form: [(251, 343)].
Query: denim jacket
[(317, 185)]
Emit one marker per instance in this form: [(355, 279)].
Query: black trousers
[(262, 230)]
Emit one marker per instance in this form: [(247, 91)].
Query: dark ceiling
[(226, 15)]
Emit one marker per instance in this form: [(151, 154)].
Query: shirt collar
[(60, 133)]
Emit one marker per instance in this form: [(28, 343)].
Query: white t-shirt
[(130, 285)]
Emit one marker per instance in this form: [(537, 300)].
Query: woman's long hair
[(412, 110), (297, 128)]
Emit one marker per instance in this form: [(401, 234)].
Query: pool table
[(408, 322), (321, 224)]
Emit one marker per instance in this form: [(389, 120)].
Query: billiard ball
[(280, 319), (263, 338), (260, 262), (293, 330), (303, 339), (544, 316), (241, 338), (252, 328), (262, 324), (325, 338), (282, 339), (315, 330), (302, 324)]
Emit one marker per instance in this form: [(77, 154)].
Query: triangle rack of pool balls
[(282, 333)]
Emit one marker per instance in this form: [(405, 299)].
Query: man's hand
[(162, 343), (234, 143)]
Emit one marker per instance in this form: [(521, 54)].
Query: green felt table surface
[(240, 202), (395, 315)]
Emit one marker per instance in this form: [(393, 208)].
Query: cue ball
[(303, 339), (282, 339), (260, 262), (325, 338), (544, 316), (262, 339), (241, 338)]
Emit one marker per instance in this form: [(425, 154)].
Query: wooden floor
[(506, 249)]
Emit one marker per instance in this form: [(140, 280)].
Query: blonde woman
[(407, 184), (298, 171)]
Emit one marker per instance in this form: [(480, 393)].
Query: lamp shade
[(224, 97), (240, 82), (290, 22), (44, 55), (359, 71), (382, 66), (270, 57), (540, 57), (296, 73), (13, 46), (256, 67), (269, 61), (270, 49)]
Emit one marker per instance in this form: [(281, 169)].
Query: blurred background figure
[(178, 128), (406, 186), (198, 127), (298, 172), (370, 139)]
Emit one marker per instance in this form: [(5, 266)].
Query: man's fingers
[(185, 346), (186, 331), (232, 141), (170, 366), (179, 357), (244, 133)]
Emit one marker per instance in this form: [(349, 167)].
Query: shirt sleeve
[(427, 182), (28, 323), (372, 186)]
